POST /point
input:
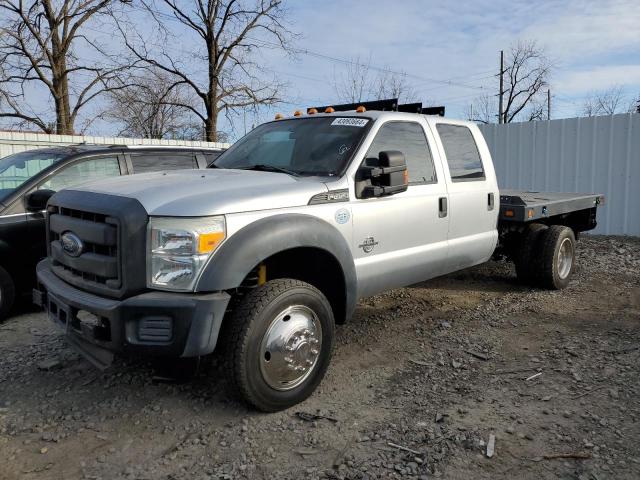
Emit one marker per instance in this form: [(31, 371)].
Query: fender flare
[(252, 244)]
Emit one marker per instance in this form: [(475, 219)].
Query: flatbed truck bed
[(518, 206)]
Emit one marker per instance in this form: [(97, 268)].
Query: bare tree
[(358, 83), (224, 31), (482, 110), (606, 102), (38, 54), (354, 83), (526, 76), (390, 84), (149, 108)]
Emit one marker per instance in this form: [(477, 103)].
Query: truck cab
[(259, 256)]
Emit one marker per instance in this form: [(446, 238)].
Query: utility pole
[(549, 104), (500, 119)]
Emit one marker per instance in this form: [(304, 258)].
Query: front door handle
[(491, 202), (442, 207)]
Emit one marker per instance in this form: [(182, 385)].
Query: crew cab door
[(401, 239), (473, 193)]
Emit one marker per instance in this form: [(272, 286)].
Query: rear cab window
[(462, 153)]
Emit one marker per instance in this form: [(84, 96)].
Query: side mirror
[(389, 176), (37, 201)]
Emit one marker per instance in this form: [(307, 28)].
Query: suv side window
[(461, 151), (83, 171), (154, 162), (408, 138)]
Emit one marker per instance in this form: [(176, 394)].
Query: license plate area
[(82, 322)]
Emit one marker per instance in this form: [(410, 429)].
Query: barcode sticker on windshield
[(350, 122)]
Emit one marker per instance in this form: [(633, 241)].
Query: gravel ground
[(422, 380)]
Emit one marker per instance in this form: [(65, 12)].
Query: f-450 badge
[(368, 244)]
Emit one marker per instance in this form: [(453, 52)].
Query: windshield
[(16, 169), (307, 146)]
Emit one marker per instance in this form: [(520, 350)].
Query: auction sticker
[(350, 122)]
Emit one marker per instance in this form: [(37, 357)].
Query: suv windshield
[(16, 169), (306, 146)]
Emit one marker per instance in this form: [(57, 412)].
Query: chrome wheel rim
[(565, 258), (290, 348)]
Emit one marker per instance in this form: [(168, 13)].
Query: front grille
[(111, 231), (98, 263)]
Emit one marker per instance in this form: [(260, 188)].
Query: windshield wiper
[(271, 168)]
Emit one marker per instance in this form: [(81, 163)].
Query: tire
[(263, 352), (7, 293), (557, 259), (529, 249)]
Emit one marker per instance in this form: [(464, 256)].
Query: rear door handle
[(491, 202), (442, 207)]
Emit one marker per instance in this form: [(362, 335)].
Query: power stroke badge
[(368, 244)]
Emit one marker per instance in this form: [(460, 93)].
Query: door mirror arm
[(388, 176)]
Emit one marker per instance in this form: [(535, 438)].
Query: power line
[(305, 51)]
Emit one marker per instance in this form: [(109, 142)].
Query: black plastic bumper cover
[(152, 323)]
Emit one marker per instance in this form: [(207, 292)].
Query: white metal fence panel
[(14, 142), (592, 155)]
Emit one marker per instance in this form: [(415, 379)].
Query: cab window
[(461, 151), (408, 138)]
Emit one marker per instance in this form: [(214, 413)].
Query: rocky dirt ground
[(421, 379)]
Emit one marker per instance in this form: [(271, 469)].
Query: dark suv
[(28, 179)]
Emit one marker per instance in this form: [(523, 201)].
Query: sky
[(449, 51)]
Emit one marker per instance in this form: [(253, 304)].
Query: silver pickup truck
[(259, 256)]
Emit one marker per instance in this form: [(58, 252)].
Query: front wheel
[(278, 343), (7, 293)]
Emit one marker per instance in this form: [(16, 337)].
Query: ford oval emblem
[(71, 244)]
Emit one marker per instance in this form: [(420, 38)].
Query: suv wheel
[(7, 293), (279, 342)]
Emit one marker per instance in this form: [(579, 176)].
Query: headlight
[(178, 249)]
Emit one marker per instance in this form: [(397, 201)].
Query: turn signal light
[(312, 111), (208, 242), (361, 109), (329, 110), (508, 213)]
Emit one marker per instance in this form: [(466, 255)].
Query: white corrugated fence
[(14, 142), (591, 155)]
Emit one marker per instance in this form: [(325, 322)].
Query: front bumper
[(152, 323)]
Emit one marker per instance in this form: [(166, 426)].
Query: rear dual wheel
[(278, 343), (547, 256)]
